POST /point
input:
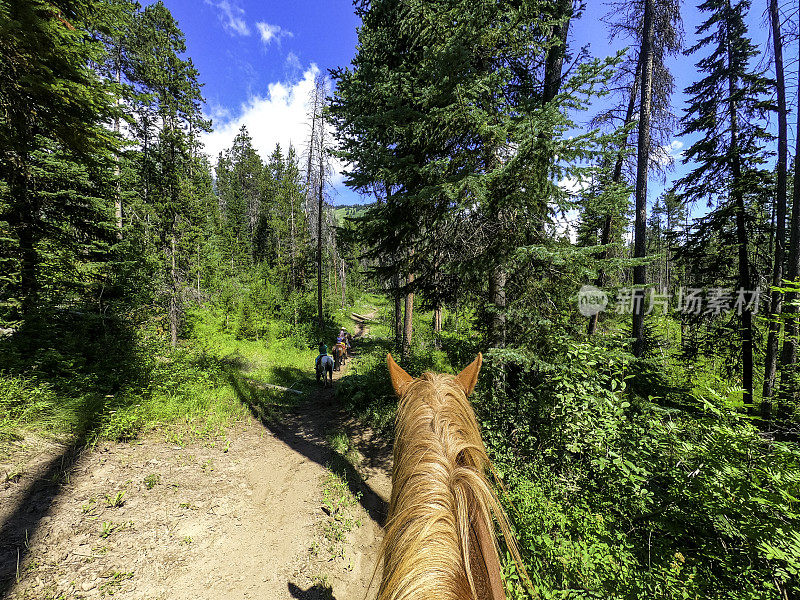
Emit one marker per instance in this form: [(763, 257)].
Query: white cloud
[(669, 154), (217, 112), (279, 117), (566, 223), (573, 185), (271, 32), (231, 16), (293, 65)]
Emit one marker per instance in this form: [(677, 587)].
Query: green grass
[(85, 379), (280, 358), (367, 304), (342, 446), (135, 383), (339, 503)]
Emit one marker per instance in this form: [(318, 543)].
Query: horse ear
[(400, 379), (469, 376)]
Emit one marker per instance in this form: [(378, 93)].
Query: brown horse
[(339, 355), (439, 540)]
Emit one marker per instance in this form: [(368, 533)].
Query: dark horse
[(339, 355)]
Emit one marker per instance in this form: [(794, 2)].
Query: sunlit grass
[(192, 392)]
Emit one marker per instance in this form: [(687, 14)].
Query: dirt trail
[(234, 520)]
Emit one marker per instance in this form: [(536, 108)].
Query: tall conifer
[(727, 109)]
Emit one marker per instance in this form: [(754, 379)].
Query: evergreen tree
[(655, 30), (51, 129), (443, 110), (727, 110), (166, 119), (776, 299), (241, 186)]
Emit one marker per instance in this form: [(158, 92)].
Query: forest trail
[(235, 519)]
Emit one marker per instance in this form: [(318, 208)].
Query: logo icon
[(591, 300)]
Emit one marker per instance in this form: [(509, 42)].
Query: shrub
[(615, 495)]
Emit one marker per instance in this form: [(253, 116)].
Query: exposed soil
[(233, 519)]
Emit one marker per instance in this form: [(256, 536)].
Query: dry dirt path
[(236, 519)]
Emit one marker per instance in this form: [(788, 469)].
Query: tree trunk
[(437, 324), (29, 279), (741, 237), (554, 62), (334, 272), (309, 164), (173, 296), (25, 208), (343, 274), (605, 236), (788, 360), (497, 320), (117, 185), (643, 156), (408, 325), (398, 312), (775, 305), (292, 247), (319, 230), (555, 55)]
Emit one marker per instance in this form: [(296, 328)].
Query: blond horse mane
[(442, 502)]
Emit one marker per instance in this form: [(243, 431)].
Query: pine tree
[(727, 110), (788, 359), (775, 304), (166, 119), (443, 110), (241, 186), (655, 30), (47, 54)]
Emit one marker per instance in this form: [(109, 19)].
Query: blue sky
[(257, 60)]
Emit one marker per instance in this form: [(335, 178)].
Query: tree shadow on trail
[(20, 527), (81, 362), (291, 377), (317, 592), (304, 431)]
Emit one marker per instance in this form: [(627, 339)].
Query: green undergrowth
[(367, 304), (624, 478), (339, 504), (83, 379), (619, 494)]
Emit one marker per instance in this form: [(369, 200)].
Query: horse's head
[(439, 540), (464, 382)]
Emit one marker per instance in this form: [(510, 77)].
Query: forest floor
[(272, 511)]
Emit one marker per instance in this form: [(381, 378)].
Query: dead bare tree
[(317, 172)]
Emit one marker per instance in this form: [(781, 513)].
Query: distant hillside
[(350, 211)]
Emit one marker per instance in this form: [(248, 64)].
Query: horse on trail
[(439, 539), (325, 369), (339, 355)]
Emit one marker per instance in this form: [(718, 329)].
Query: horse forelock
[(438, 485)]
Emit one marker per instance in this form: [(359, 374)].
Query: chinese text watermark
[(692, 301)]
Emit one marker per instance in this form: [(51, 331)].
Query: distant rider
[(323, 351)]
